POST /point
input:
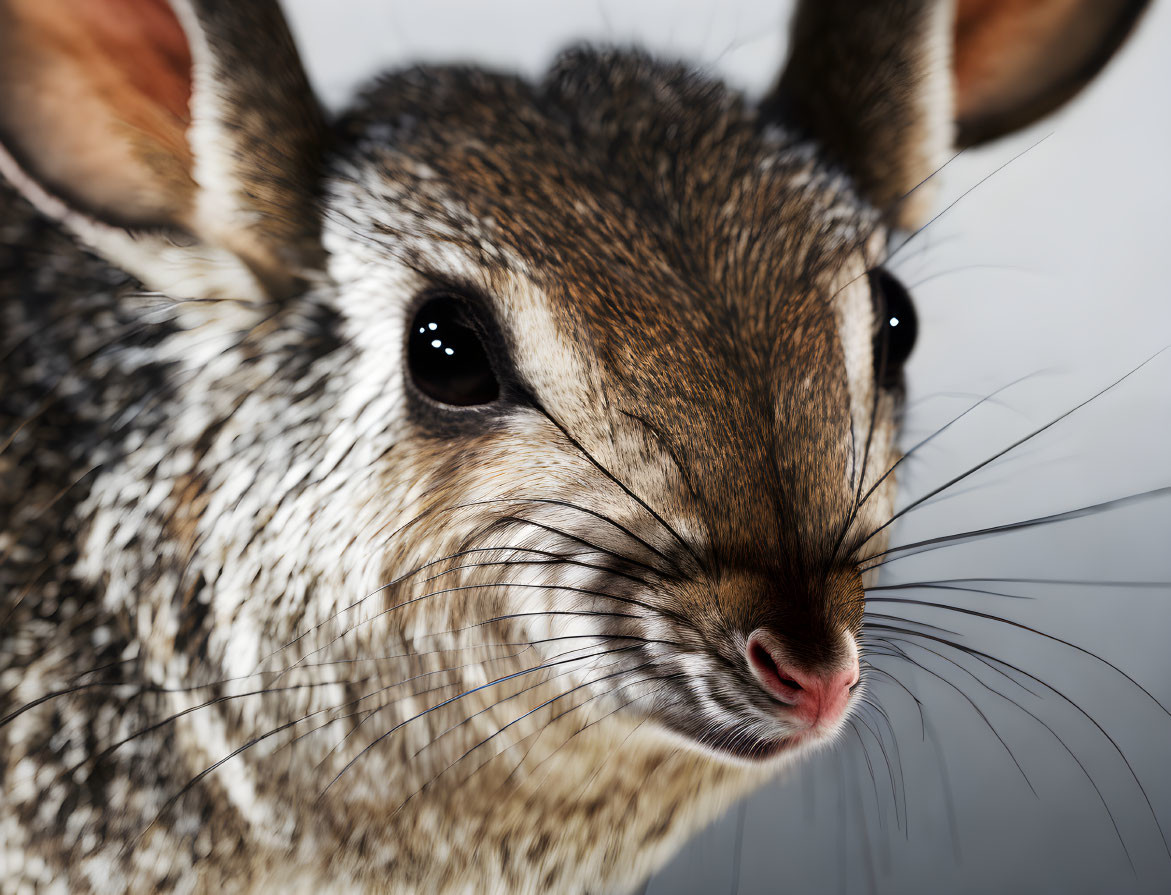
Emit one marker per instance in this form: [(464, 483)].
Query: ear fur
[(1018, 60), (180, 139), (891, 87), (871, 82)]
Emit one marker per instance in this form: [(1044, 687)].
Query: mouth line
[(761, 750), (755, 749), (739, 734)]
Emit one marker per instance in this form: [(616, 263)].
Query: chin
[(732, 742), (764, 751)]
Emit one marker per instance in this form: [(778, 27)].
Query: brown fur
[(273, 621)]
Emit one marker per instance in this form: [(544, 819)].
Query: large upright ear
[(180, 138), (890, 87)]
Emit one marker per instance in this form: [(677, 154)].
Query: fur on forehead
[(621, 184)]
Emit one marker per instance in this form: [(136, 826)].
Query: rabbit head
[(495, 496)]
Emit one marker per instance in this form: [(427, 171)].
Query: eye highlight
[(896, 326), (446, 355)]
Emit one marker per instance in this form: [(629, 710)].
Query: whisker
[(493, 501), (641, 640), (133, 844), (919, 625), (622, 485), (894, 680), (958, 588), (585, 542), (997, 268), (662, 439), (554, 559), (853, 725), (472, 587), (947, 540), (400, 579), (1114, 745), (1080, 582), (547, 662), (1023, 440), (935, 173), (538, 734), (592, 723), (857, 505), (142, 689), (266, 690), (860, 820), (1046, 726), (967, 699), (979, 183), (365, 713), (517, 720), (466, 693), (604, 518), (898, 763), (915, 448), (1023, 627)]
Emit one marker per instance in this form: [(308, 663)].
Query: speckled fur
[(269, 622), (197, 491)]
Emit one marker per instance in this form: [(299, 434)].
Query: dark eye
[(446, 354), (897, 326)]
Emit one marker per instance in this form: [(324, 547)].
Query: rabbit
[(477, 491)]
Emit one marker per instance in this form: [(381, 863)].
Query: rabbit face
[(488, 490), (731, 304), (546, 558)]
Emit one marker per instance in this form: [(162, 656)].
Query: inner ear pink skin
[(144, 39), (96, 105), (136, 49)]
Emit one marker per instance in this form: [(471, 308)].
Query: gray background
[(1059, 264)]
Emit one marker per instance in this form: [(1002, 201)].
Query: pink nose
[(813, 697)]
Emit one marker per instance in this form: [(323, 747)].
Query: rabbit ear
[(181, 139), (1016, 61), (889, 88)]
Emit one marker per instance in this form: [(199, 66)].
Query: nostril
[(764, 657), (765, 664), (809, 694), (759, 656)]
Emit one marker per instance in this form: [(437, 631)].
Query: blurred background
[(1056, 266)]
